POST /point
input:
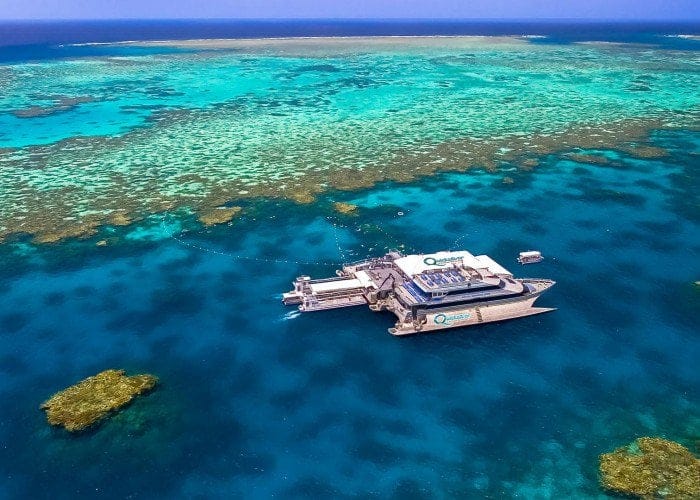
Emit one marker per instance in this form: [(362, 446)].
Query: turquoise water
[(258, 400), (202, 124)]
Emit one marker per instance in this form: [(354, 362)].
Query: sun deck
[(439, 280), (412, 294)]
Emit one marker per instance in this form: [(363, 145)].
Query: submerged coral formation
[(645, 151), (90, 400), (593, 159), (218, 215), (651, 468), (119, 218), (58, 104), (345, 208)]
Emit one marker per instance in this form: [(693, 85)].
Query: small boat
[(530, 257)]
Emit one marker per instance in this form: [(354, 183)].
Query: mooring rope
[(176, 236), (337, 240), (256, 259), (457, 240)]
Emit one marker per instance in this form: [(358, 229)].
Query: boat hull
[(471, 315)]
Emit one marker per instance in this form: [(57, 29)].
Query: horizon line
[(379, 19)]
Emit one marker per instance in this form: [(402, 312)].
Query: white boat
[(426, 292), (530, 257)]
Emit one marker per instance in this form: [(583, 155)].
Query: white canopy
[(361, 280), (330, 286), (412, 265)]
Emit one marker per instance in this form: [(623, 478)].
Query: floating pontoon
[(426, 292)]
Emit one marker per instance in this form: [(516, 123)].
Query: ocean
[(581, 140)]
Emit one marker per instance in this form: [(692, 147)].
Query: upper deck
[(471, 291), (453, 277)]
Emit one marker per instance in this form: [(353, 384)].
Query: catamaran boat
[(426, 292)]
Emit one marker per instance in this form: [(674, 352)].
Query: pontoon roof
[(412, 265), (361, 280), (329, 286)]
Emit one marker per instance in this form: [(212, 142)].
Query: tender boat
[(530, 257)]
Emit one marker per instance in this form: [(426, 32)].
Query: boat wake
[(291, 315)]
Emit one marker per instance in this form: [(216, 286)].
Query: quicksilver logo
[(432, 261), (444, 319)]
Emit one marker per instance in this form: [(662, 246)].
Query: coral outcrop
[(592, 159), (219, 215), (119, 218), (345, 208), (93, 399), (651, 468)]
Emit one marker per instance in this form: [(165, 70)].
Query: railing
[(321, 280), (338, 293)]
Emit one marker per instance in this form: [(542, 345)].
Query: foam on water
[(291, 315)]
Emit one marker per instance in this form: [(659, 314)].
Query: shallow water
[(83, 139), (257, 399)]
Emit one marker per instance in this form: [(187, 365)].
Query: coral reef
[(51, 215), (303, 196), (119, 218), (345, 208), (529, 164), (172, 146), (65, 229), (59, 104), (94, 398), (218, 215), (645, 151), (589, 158), (651, 468)]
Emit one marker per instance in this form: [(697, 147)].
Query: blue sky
[(519, 9)]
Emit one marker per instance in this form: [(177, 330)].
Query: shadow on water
[(13, 322)]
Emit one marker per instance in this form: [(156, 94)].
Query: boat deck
[(417, 297)]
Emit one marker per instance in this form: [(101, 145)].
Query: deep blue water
[(257, 400), (35, 40)]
